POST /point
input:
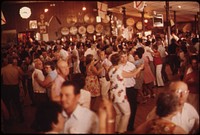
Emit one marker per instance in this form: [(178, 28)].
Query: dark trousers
[(40, 98), (132, 98), (174, 63), (82, 67), (30, 90), (163, 71), (11, 98)]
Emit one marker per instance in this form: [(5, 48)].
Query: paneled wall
[(62, 10)]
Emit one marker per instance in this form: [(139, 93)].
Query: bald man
[(187, 117), (62, 69)]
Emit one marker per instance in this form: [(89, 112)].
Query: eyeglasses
[(179, 91)]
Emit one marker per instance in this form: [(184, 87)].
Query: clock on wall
[(25, 12)]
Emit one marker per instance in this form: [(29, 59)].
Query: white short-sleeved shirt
[(56, 86), (105, 62), (93, 52), (161, 49), (129, 82), (186, 119), (131, 58), (81, 121), (85, 98), (63, 54), (36, 85)]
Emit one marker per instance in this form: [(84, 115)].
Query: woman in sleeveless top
[(91, 81)]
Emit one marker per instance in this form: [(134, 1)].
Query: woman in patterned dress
[(117, 92), (91, 81)]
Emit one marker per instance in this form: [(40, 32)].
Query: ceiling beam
[(112, 4)]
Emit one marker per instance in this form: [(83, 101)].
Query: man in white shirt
[(187, 117), (62, 69), (148, 53), (130, 90), (63, 53), (163, 55), (40, 94), (105, 84), (75, 59), (91, 50), (79, 120)]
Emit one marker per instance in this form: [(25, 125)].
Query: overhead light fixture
[(84, 8), (52, 5), (25, 12), (146, 21), (46, 10), (179, 6)]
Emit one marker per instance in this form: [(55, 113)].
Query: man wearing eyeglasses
[(187, 117)]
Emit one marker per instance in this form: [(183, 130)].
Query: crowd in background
[(92, 87)]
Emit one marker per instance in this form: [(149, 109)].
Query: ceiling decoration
[(185, 13)]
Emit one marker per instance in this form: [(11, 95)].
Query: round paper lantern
[(25, 12)]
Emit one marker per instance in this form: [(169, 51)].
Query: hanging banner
[(171, 22), (3, 19), (102, 9), (139, 5)]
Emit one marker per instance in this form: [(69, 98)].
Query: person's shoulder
[(87, 111), (130, 63), (85, 92), (179, 130), (38, 71), (189, 108)]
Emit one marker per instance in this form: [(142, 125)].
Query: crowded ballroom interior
[(100, 67)]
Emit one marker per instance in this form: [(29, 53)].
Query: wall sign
[(158, 20), (33, 24)]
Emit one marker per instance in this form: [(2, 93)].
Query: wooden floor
[(142, 110)]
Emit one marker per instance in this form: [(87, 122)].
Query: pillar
[(124, 16), (143, 27), (175, 24), (167, 21)]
